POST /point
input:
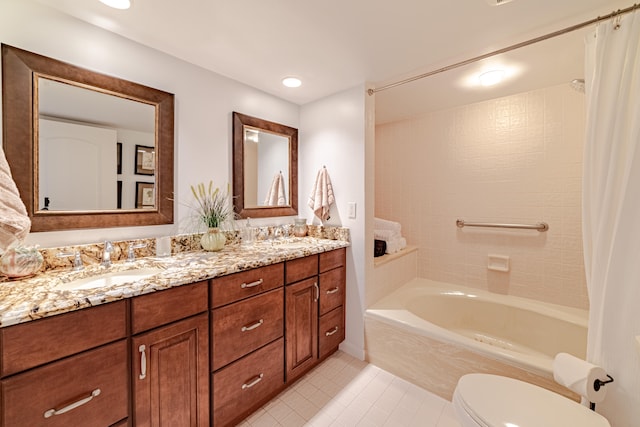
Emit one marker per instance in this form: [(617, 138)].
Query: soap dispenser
[(249, 233)]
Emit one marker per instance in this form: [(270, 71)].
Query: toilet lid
[(493, 401)]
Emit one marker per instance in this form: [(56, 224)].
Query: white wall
[(203, 100), (334, 135)]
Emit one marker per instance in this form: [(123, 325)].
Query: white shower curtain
[(611, 211)]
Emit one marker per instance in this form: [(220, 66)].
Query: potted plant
[(213, 208)]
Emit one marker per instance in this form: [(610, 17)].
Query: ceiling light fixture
[(291, 82), (117, 4), (491, 78), (498, 2)]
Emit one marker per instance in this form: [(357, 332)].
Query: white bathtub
[(431, 333)]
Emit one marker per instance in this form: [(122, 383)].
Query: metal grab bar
[(541, 226)]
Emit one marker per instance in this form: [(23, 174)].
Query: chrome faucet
[(106, 255)]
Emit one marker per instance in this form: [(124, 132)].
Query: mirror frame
[(20, 69), (239, 122)]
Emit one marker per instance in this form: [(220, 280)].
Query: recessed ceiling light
[(491, 78), (117, 4), (291, 82), (498, 2)]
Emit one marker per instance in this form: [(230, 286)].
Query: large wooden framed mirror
[(86, 150), (265, 168)]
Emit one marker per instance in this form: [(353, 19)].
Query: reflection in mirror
[(266, 160), (43, 142), (265, 167), (78, 154)]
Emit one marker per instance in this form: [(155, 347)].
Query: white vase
[(213, 239)]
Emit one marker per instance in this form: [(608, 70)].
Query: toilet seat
[(490, 401)]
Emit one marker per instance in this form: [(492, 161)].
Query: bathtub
[(431, 333)]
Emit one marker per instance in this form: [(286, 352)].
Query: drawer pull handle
[(333, 290), (331, 332), (74, 405), (255, 381), (315, 285), (252, 327), (252, 284), (143, 362)]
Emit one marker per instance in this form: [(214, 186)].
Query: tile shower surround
[(511, 159)]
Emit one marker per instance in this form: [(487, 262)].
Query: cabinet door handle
[(252, 327), (252, 284), (315, 285), (143, 362), (74, 405), (253, 382), (333, 290), (331, 332)]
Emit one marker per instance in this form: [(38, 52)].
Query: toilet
[(485, 400)]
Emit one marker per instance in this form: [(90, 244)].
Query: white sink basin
[(110, 279)]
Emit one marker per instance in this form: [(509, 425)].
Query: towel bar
[(541, 226)]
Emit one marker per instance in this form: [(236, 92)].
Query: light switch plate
[(352, 210)]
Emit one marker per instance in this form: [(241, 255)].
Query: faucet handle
[(77, 259), (131, 255)]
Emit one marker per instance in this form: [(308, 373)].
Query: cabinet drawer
[(163, 307), (41, 341), (332, 289), (238, 286), (332, 259), (28, 398), (243, 386), (301, 268), (331, 331), (242, 327)]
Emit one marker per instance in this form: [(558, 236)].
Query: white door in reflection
[(77, 167)]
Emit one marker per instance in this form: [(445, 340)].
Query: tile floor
[(346, 392)]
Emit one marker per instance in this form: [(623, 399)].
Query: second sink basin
[(110, 279)]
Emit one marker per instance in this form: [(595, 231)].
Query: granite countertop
[(38, 297)]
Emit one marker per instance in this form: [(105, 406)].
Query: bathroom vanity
[(206, 342)]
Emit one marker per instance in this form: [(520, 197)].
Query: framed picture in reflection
[(145, 160), (119, 158), (145, 195)]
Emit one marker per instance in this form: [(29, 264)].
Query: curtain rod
[(508, 48)]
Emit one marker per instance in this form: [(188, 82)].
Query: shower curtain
[(611, 211)]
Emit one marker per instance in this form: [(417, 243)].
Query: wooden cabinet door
[(170, 375), (301, 301)]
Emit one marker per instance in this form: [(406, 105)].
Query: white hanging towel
[(14, 220), (322, 197), (276, 194)]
